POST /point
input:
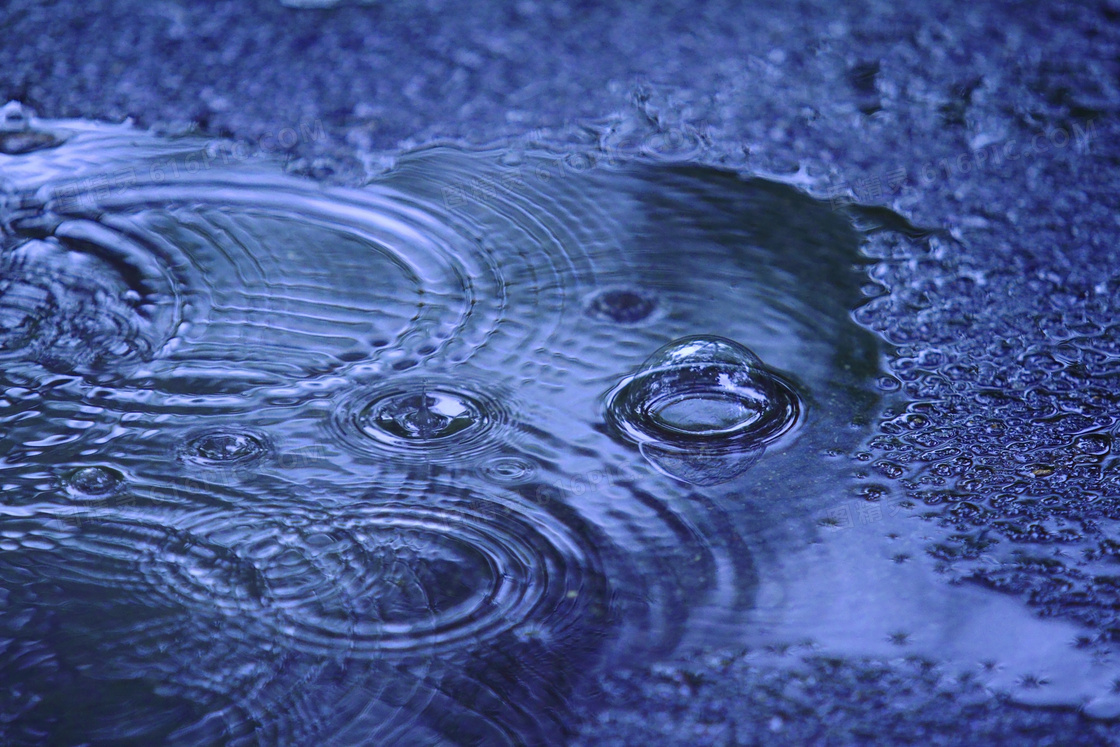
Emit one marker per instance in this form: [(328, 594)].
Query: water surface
[(408, 463)]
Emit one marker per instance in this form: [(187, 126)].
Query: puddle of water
[(872, 590), (450, 441)]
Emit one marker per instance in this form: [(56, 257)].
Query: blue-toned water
[(288, 463)]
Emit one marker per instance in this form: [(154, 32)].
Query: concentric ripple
[(236, 276), (224, 447), (622, 305), (98, 645), (703, 401), (425, 419), (507, 470), (400, 576), (223, 286), (76, 307)]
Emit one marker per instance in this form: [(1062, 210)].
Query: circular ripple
[(222, 286), (703, 398), (74, 306), (224, 447), (101, 608), (273, 277), (398, 577), (508, 470), (431, 419)]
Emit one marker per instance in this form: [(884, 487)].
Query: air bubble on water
[(703, 408), (224, 447), (507, 470), (94, 481)]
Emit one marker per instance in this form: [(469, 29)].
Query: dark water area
[(287, 463)]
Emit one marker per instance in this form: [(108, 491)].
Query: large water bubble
[(703, 408), (94, 482)]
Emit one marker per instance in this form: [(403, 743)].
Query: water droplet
[(508, 470), (95, 481), (225, 447), (622, 305), (422, 418), (702, 408), (1096, 444)]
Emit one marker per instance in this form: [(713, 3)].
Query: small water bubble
[(508, 470), (703, 408), (225, 447), (94, 481), (622, 305)]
